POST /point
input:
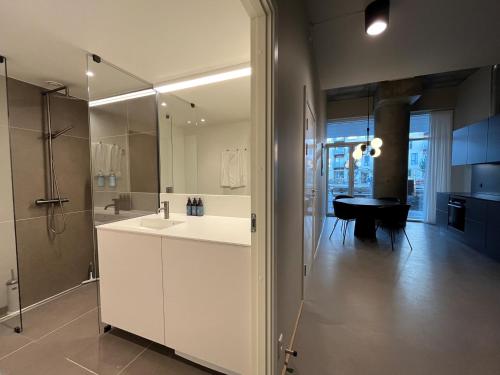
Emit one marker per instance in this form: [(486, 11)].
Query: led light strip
[(176, 86), (120, 98), (206, 80)]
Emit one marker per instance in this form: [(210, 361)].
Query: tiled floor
[(370, 311), (62, 338)]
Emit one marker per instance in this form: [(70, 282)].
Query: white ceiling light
[(205, 80), (377, 17), (120, 98), (89, 73), (163, 104), (203, 120), (376, 28)]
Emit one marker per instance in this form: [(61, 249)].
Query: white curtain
[(438, 171)]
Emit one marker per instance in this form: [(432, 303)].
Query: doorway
[(346, 175)]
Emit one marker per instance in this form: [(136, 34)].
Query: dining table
[(365, 213)]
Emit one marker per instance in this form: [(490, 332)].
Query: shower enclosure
[(10, 318)]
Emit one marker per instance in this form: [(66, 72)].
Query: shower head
[(56, 134)]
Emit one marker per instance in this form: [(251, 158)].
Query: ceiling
[(156, 40), (225, 102), (424, 37)]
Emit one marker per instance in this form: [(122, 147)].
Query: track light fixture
[(377, 17)]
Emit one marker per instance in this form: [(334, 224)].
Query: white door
[(309, 191)]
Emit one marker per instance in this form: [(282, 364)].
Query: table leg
[(365, 227)]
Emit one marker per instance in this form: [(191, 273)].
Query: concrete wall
[(431, 100), (294, 68)]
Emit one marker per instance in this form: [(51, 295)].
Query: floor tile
[(159, 360), (10, 341), (371, 311)]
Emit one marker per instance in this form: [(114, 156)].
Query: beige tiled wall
[(50, 265)]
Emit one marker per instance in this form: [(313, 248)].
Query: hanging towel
[(226, 158), (233, 171), (243, 167), (116, 160), (101, 157)]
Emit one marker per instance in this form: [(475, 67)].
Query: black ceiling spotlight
[(377, 17)]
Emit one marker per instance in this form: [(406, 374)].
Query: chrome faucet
[(115, 205), (165, 209)]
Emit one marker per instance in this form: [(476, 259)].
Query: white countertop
[(230, 230)]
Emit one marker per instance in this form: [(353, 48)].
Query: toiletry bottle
[(200, 208), (100, 180), (189, 207), (112, 180), (194, 208)]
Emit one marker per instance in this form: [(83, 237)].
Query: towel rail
[(43, 201)]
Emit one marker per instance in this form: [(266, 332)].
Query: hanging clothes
[(234, 173)]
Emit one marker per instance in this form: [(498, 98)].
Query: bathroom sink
[(158, 223)]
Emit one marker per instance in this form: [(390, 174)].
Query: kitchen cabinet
[(493, 231), (207, 302), (131, 283), (477, 142), (459, 146), (493, 149)]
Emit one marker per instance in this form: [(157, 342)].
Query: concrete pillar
[(392, 125)]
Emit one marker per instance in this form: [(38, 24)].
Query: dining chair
[(393, 219), (344, 213), (339, 196)]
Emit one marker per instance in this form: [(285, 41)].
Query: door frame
[(262, 15), (308, 107)]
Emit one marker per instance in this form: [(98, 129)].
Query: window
[(418, 148)]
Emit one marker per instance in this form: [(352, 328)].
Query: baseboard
[(292, 340)]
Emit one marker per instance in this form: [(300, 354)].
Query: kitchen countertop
[(230, 230), (483, 196)]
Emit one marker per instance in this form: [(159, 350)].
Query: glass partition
[(10, 317), (124, 143)]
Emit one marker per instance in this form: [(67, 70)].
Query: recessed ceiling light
[(203, 120), (163, 104), (205, 80), (377, 17), (189, 122), (89, 73)]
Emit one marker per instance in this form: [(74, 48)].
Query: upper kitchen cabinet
[(493, 149), (459, 147), (477, 142)]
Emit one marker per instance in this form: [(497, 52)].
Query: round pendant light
[(377, 17), (372, 147)]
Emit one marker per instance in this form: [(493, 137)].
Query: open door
[(309, 190)]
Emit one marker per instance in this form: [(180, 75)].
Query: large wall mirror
[(205, 139)]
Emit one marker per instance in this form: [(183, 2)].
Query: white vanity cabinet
[(207, 302), (131, 285)]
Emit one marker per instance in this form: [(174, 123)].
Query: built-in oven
[(456, 213)]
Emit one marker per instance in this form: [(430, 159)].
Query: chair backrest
[(390, 199), (394, 216), (344, 211), (342, 196)]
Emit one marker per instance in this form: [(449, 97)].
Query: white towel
[(101, 156), (116, 160), (233, 171), (226, 158)]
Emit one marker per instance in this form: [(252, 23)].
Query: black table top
[(369, 202)]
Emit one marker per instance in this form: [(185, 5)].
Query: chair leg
[(407, 239), (392, 240), (346, 226), (334, 226)]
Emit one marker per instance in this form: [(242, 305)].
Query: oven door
[(456, 214)]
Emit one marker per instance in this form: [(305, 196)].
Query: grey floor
[(370, 311), (62, 338)]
